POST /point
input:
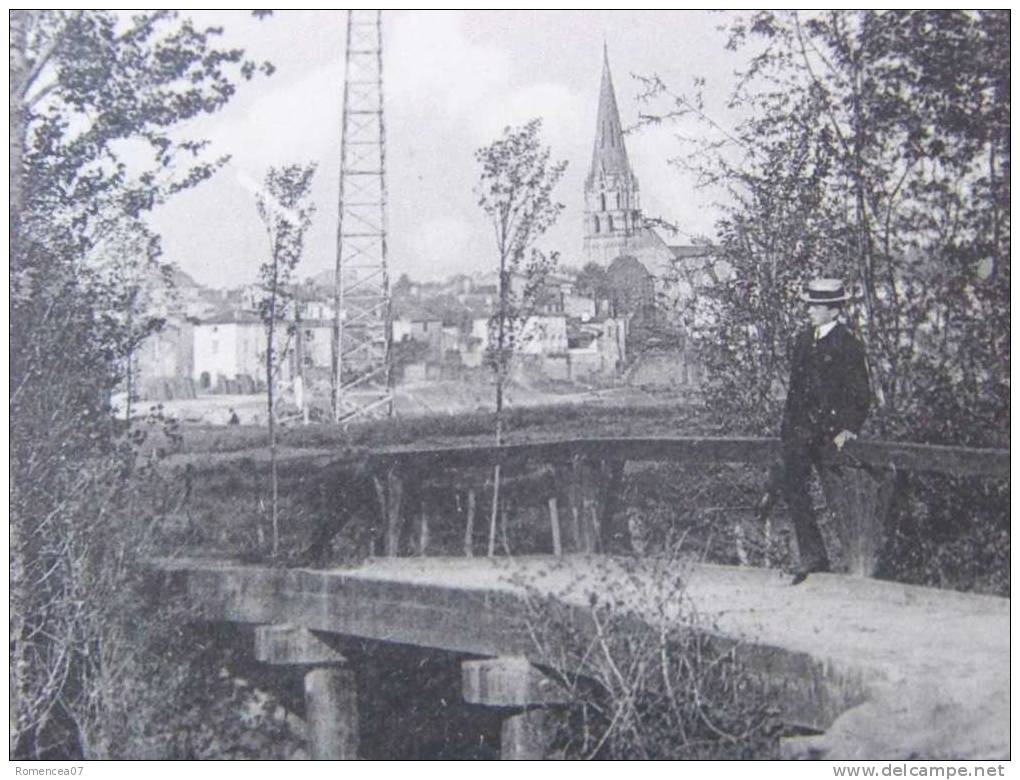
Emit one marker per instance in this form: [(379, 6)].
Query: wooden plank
[(907, 456), (705, 449)]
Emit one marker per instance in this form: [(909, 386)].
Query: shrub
[(645, 678)]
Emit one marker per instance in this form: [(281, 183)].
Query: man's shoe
[(802, 574)]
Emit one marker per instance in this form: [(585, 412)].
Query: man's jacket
[(829, 389)]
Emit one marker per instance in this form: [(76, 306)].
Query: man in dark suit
[(826, 405)]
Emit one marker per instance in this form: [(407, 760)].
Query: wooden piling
[(390, 491), (423, 542), (495, 508), (554, 522), (614, 531), (469, 528)]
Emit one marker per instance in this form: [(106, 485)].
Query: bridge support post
[(331, 704), (526, 736), (330, 685), (525, 694)]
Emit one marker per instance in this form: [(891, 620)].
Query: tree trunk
[(19, 126), (993, 188), (269, 405), (500, 373), (18, 129), (19, 670), (495, 510)]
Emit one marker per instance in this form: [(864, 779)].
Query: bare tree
[(283, 209), (515, 191)]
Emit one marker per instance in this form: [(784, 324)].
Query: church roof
[(609, 155), (684, 251)]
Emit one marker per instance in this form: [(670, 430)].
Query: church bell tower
[(612, 208)]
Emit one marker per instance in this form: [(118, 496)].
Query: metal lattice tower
[(362, 326)]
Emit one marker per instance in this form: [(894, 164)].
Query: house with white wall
[(232, 345)]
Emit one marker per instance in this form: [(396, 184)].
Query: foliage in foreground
[(97, 101), (645, 679), (874, 146)]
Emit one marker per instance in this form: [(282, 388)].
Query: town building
[(230, 352)]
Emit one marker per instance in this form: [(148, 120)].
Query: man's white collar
[(823, 330)]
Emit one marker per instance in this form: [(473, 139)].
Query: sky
[(452, 81)]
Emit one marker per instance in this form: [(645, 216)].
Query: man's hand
[(842, 438)]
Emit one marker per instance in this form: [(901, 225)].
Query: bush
[(645, 679)]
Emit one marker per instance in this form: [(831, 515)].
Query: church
[(647, 279), (615, 233)]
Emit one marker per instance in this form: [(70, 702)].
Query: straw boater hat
[(825, 291)]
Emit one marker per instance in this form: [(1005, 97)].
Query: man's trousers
[(799, 456)]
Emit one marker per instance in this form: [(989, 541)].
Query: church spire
[(609, 156), (612, 208)]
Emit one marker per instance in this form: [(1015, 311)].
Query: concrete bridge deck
[(886, 670)]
